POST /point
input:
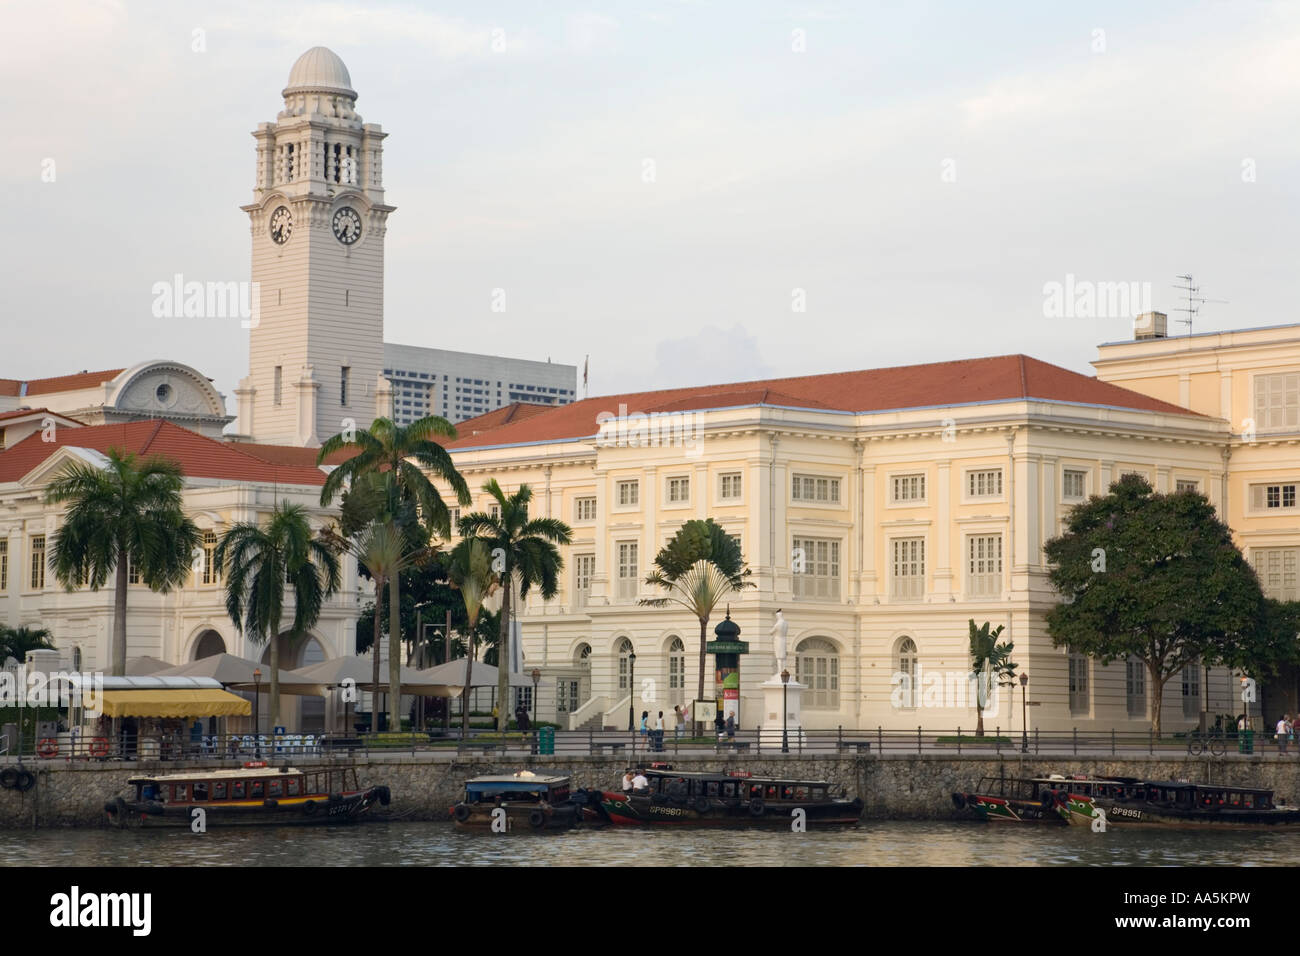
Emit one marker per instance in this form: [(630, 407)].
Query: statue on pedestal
[(778, 633)]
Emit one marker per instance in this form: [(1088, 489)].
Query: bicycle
[(1198, 743)]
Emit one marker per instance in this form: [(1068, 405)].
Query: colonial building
[(883, 510)]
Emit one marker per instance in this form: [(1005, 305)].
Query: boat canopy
[(198, 702)]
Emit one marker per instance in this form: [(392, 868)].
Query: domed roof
[(320, 69)]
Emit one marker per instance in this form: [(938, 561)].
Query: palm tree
[(15, 642), (990, 664), (408, 455), (470, 572), (259, 562), (699, 567), (524, 553), (127, 513)]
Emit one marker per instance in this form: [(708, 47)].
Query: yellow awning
[(171, 703)]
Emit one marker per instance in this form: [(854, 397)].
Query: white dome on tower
[(320, 70)]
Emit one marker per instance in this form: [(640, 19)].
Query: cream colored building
[(882, 510)]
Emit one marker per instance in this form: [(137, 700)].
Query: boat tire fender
[(959, 801), (858, 804), (536, 819), (26, 780), (8, 778), (383, 795), (756, 807), (461, 813), (702, 805), (1048, 799), (309, 807)]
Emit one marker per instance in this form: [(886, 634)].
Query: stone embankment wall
[(895, 787)]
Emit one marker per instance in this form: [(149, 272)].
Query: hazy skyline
[(914, 174)]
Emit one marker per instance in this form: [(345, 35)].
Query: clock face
[(281, 225), (347, 226)]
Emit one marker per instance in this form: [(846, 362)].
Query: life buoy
[(309, 807), (8, 778), (47, 747), (756, 807), (702, 804), (26, 780), (461, 813), (536, 819), (99, 747), (959, 801)]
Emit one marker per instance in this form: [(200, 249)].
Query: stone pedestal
[(772, 725)]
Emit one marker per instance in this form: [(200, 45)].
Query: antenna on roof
[(1192, 293)]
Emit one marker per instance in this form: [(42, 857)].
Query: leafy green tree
[(260, 562), (525, 555), (1151, 576), (15, 642), (699, 567), (428, 584), (404, 456), (127, 513), (470, 571), (991, 665)]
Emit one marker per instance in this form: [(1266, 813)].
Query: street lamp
[(537, 677), (1024, 713), (257, 699), (631, 682), (785, 712)]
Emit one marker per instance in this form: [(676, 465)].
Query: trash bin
[(546, 740), (1245, 741)]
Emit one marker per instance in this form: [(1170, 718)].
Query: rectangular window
[(1074, 484), (907, 488), (494, 511), (627, 569), (908, 578), (1191, 690), (629, 493), (984, 564), (276, 388), (4, 565), (132, 571), (1277, 401), (344, 374), (816, 568), (1078, 684), (1273, 497), (815, 488), (1185, 484), (584, 509), (729, 486), (584, 565), (211, 574), (1135, 687), (984, 484), (679, 490), (1276, 568), (566, 695), (38, 562), (453, 515)]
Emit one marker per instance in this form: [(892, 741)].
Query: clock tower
[(316, 339)]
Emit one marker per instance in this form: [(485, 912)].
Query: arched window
[(817, 664), (676, 664), (210, 644), (906, 672), (624, 664)]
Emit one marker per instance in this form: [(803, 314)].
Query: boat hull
[(634, 810), (1082, 811), (528, 817), (994, 809), (306, 811)]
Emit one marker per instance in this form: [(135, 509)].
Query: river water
[(441, 844)]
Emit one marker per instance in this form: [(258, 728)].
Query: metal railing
[(624, 745)]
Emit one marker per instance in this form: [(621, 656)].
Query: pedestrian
[(731, 726), (627, 782), (660, 727), (679, 728), (718, 723), (1283, 731), (645, 725), (639, 783)]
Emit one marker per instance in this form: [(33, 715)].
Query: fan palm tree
[(408, 455), (991, 665), (470, 572), (15, 642), (259, 563), (126, 514), (524, 553), (699, 567)]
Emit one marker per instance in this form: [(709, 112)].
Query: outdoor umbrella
[(143, 666), (484, 675), (360, 670), (237, 673)]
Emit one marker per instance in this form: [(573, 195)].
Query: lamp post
[(537, 677), (785, 711), (1024, 713), (257, 699), (631, 683)]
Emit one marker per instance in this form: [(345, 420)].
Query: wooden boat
[(528, 801), (1128, 802), (254, 794), (682, 798), (1013, 800)]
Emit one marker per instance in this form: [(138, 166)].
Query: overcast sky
[(919, 170)]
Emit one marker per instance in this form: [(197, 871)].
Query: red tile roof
[(198, 455), (24, 412), (290, 454), (936, 385), (61, 383), (514, 412)]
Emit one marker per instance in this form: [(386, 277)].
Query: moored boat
[(525, 801), (1013, 800), (252, 795), (737, 799), (1127, 802)]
